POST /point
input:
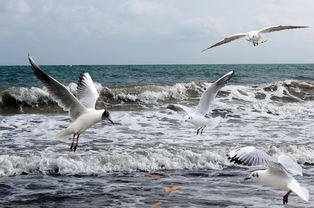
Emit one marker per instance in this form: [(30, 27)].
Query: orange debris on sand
[(173, 188), (159, 203), (156, 176)]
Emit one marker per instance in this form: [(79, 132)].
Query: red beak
[(110, 120)]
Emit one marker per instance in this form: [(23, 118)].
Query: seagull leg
[(198, 130), (202, 129), (76, 144), (285, 197), (72, 145)]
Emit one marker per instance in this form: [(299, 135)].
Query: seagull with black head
[(81, 108), (278, 173)]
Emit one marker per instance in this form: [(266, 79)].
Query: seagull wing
[(209, 95), (252, 157), (187, 110), (280, 27), (86, 91), (301, 191), (227, 40), (290, 165), (59, 92)]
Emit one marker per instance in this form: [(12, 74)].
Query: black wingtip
[(228, 76), (206, 49), (29, 58), (235, 160), (81, 78), (32, 62), (79, 83)]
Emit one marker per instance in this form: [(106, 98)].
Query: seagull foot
[(285, 197), (74, 148), (202, 129)]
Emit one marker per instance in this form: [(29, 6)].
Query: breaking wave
[(19, 99), (156, 160), (103, 162)]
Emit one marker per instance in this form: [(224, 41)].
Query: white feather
[(301, 191), (86, 91)]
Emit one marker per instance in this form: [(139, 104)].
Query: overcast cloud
[(152, 31)]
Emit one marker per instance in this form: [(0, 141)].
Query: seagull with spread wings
[(254, 36), (279, 173), (198, 116), (81, 108)]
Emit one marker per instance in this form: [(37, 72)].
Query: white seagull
[(198, 116), (254, 36), (81, 108), (279, 173)]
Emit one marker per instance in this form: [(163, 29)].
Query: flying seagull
[(279, 173), (254, 36), (81, 108), (198, 116)]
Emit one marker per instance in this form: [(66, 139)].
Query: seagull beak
[(110, 120), (247, 178)]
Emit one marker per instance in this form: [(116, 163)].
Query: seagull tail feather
[(66, 133)]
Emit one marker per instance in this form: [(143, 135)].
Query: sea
[(151, 148)]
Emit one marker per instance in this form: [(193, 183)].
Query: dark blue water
[(124, 75)]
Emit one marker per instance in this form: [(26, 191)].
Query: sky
[(72, 32)]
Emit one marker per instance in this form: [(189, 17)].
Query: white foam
[(146, 140), (91, 163), (304, 153), (186, 92), (152, 94), (30, 96), (104, 162)]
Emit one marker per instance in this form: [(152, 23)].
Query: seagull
[(254, 36), (81, 108), (279, 173), (198, 116)]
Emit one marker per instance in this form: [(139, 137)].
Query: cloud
[(125, 30), (15, 6), (144, 8)]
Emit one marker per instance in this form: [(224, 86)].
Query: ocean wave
[(104, 162), (304, 153), (92, 163), (151, 94), (288, 91)]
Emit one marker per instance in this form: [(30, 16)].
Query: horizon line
[(159, 64)]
